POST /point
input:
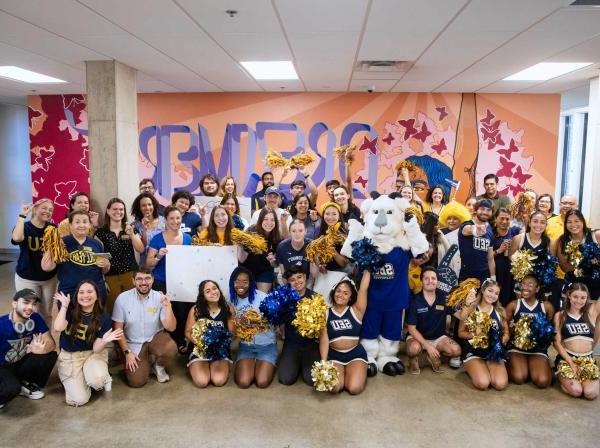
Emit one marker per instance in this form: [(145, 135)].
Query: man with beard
[(258, 199), (144, 314), (475, 240), (27, 353)]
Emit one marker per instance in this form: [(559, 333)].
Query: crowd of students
[(111, 292)]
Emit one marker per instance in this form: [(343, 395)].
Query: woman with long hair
[(232, 205), (577, 334), (228, 186), (148, 222), (219, 227), (343, 197), (302, 210), (85, 331), (435, 200), (212, 305), (121, 241)]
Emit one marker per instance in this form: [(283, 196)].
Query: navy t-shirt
[(429, 320), (76, 339), (288, 256), (80, 266), (29, 265), (292, 337), (13, 346), (190, 223), (474, 252)]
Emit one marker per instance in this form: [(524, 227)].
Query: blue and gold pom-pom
[(211, 341), (279, 306), (497, 351), (590, 262), (542, 331), (544, 269), (366, 255), (237, 222)]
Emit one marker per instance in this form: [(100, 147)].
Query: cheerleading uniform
[(521, 310), (573, 329), (344, 326), (470, 352), (592, 284), (219, 319)]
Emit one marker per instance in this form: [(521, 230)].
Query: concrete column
[(113, 132), (591, 204)]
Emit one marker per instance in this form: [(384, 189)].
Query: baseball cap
[(484, 203), (272, 190), (26, 294)]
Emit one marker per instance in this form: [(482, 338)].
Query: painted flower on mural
[(501, 146)]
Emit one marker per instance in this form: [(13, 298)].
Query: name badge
[(151, 309), (124, 236), (88, 248), (440, 307)]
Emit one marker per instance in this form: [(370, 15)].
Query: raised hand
[(26, 208), (112, 335), (37, 346), (63, 299), (165, 300), (94, 218)]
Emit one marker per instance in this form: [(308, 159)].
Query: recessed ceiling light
[(271, 69), (546, 70), (20, 74)]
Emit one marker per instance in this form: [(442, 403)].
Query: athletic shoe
[(108, 386), (455, 362), (161, 374), (2, 405), (31, 391)]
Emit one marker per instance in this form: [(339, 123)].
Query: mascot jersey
[(388, 290)]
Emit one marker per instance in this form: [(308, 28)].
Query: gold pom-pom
[(417, 212), (522, 333), (248, 324), (521, 263), (523, 206), (458, 295), (574, 256), (310, 316), (344, 151), (588, 370), (325, 376), (478, 324), (53, 243), (274, 159), (198, 330), (251, 241), (323, 248), (201, 238), (411, 167), (301, 160)]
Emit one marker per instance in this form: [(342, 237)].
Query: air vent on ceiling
[(585, 3), (383, 66)]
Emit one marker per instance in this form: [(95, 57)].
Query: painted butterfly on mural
[(512, 147), (423, 133), (442, 111), (409, 125), (506, 168), (440, 147), (371, 145)]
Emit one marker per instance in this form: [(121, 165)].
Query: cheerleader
[(339, 340), (528, 363), (256, 359), (343, 198), (211, 305), (577, 334), (483, 373)]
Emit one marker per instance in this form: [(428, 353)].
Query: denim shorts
[(266, 353)]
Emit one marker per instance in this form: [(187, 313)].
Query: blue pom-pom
[(279, 306), (497, 351), (590, 262), (545, 269), (366, 255), (542, 331), (218, 342), (237, 222)]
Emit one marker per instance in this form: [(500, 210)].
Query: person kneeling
[(144, 314), (338, 342), (85, 333), (426, 321), (210, 305), (27, 353)]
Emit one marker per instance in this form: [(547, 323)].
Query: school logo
[(580, 328), (83, 257), (80, 333), (481, 243), (341, 324), (385, 272)]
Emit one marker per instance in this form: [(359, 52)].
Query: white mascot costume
[(395, 234)]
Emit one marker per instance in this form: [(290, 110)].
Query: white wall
[(15, 174), (574, 98)]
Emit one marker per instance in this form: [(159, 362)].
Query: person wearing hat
[(272, 200), (451, 217), (27, 353), (475, 241)]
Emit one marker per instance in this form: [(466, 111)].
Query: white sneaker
[(2, 405), (108, 386), (455, 362), (161, 374), (31, 391)]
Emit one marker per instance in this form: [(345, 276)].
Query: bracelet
[(22, 216)]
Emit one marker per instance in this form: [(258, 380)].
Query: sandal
[(413, 366), (436, 364)]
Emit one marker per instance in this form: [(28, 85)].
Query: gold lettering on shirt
[(80, 333), (151, 309), (34, 243), (83, 257)]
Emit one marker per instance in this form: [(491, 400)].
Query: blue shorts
[(357, 353), (265, 277), (266, 353), (385, 323)]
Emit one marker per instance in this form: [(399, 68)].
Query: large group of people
[(110, 292)]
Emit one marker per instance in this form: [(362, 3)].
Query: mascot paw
[(390, 369), (371, 369), (400, 367), (408, 216)]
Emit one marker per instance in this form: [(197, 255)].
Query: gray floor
[(425, 411)]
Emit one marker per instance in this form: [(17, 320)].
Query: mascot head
[(384, 221)]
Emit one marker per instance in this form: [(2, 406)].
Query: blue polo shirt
[(75, 339), (13, 346), (429, 320)]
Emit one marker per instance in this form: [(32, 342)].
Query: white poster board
[(187, 266), (210, 201)]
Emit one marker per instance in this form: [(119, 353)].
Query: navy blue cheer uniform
[(221, 320), (430, 320), (474, 253), (344, 326), (503, 275), (387, 297), (592, 284), (521, 310), (576, 329), (470, 352)]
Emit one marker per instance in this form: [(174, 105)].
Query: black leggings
[(294, 359), (32, 368)]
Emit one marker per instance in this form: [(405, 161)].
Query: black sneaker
[(31, 391)]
